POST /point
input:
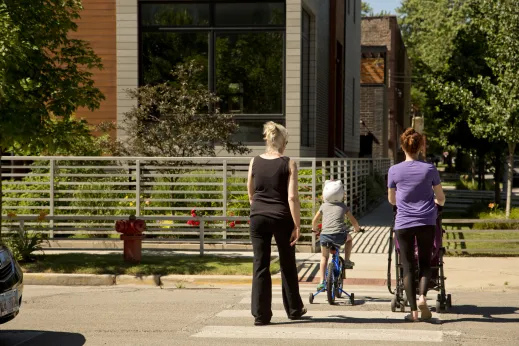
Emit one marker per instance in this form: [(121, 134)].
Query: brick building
[(373, 102), (385, 32), (295, 62)]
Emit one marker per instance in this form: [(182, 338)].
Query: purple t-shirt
[(413, 181)]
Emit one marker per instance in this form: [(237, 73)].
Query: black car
[(11, 285)]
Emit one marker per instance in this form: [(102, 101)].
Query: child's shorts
[(335, 238)]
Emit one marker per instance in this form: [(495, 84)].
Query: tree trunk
[(481, 170), (473, 168), (511, 151), (498, 176)]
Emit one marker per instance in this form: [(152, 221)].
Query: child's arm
[(353, 221), (315, 223)]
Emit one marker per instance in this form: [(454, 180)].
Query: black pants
[(424, 236), (261, 231)]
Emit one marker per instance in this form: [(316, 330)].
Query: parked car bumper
[(11, 278)]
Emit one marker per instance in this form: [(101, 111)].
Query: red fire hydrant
[(132, 235)]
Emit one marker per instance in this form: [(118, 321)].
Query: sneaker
[(348, 264), (321, 286)]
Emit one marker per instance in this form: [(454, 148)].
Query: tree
[(366, 9), (491, 101), (178, 119), (45, 76)]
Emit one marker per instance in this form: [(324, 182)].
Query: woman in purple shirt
[(414, 187)]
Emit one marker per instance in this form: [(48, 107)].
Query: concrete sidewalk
[(481, 273)]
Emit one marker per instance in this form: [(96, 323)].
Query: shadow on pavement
[(40, 338), (501, 314), (344, 319)]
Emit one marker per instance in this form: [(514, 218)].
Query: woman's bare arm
[(391, 196), (293, 201), (439, 194), (250, 182)]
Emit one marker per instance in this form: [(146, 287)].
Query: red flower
[(248, 222), (196, 223), (190, 222), (232, 224), (193, 211), (320, 226)]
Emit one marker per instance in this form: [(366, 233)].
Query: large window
[(240, 44)]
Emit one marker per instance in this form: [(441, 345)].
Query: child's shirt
[(333, 217)]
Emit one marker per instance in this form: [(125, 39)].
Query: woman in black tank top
[(275, 211)]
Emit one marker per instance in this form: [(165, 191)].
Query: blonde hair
[(275, 135)]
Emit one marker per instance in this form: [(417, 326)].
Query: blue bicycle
[(335, 275)]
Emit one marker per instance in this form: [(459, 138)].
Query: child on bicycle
[(334, 230)]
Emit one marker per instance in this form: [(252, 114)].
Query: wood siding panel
[(98, 26)]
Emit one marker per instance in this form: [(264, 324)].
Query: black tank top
[(271, 187)]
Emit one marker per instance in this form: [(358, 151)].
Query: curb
[(68, 279), (166, 281)]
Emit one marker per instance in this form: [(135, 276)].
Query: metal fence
[(481, 236), (57, 190), (461, 201)]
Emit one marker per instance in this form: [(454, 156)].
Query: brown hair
[(411, 141)]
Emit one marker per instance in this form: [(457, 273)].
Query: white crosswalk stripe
[(320, 323), (393, 335)]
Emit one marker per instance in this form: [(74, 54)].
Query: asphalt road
[(74, 316)]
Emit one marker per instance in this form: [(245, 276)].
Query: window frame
[(212, 32)]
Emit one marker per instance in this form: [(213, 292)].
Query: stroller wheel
[(393, 305), (352, 299), (440, 308), (449, 301), (311, 298)]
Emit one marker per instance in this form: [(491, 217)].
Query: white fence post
[(224, 196), (51, 197), (137, 188), (314, 199), (202, 228)]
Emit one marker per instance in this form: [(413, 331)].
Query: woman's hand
[(441, 204), (356, 228), (296, 233)]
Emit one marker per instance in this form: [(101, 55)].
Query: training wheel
[(311, 298)]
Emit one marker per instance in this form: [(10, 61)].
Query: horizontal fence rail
[(483, 236), (80, 196), (463, 200)]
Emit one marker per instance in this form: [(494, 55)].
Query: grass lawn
[(150, 265), (509, 248)]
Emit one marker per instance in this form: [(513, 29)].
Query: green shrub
[(24, 243), (465, 184), (497, 213)]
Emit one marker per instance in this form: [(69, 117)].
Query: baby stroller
[(437, 282)]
